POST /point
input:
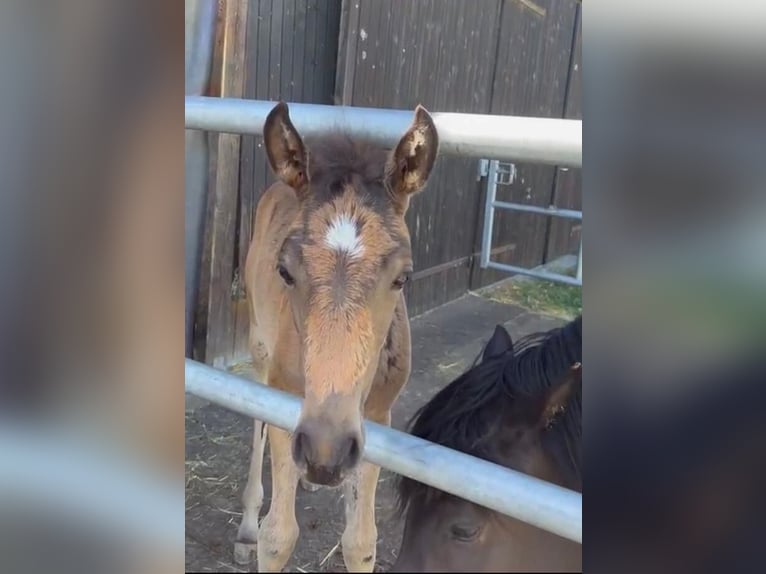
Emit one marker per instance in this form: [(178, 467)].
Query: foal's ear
[(285, 150), (556, 399), (411, 162), (499, 343)]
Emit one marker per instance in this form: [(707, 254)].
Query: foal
[(324, 275), (520, 409)]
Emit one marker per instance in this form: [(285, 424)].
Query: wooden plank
[(275, 51), (299, 47), (262, 89), (330, 51), (347, 50), (221, 317), (310, 61), (201, 319), (288, 43), (214, 89), (214, 86), (564, 235), (246, 196)]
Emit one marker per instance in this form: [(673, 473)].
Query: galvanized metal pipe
[(489, 214), (537, 273), (523, 139), (552, 211), (534, 501)]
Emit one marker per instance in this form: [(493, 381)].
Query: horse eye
[(401, 280), (285, 275), (464, 533)]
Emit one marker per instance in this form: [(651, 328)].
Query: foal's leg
[(279, 529), (247, 535), (361, 534)]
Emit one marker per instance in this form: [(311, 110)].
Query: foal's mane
[(466, 414)]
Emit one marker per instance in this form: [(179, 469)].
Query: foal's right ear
[(499, 343), (411, 162), (285, 150)]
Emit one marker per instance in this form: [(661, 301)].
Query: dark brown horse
[(520, 408)]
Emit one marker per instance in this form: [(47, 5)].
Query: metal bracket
[(506, 173), (483, 170)]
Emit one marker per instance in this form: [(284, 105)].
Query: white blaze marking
[(342, 236)]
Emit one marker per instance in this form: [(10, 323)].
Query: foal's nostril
[(301, 448), (353, 453)]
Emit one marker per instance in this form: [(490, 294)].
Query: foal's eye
[(464, 532), (285, 275), (401, 280)]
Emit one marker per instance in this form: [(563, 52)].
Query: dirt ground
[(445, 341)]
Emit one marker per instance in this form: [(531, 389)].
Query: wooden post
[(221, 294)]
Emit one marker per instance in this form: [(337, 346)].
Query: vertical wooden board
[(330, 52), (344, 69), (221, 316), (214, 85), (309, 58), (299, 47), (530, 80), (275, 49), (246, 195), (383, 42), (201, 319), (369, 18), (288, 43), (564, 235), (214, 89), (262, 92)]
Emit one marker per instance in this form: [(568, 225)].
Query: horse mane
[(466, 414)]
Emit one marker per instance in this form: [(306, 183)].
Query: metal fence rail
[(534, 501), (498, 173), (537, 140)]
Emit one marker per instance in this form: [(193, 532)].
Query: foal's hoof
[(309, 486), (244, 552)]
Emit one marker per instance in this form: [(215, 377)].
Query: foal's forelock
[(347, 243)]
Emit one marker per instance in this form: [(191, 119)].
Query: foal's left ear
[(556, 400), (411, 162)]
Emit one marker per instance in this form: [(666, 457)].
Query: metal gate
[(503, 173)]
